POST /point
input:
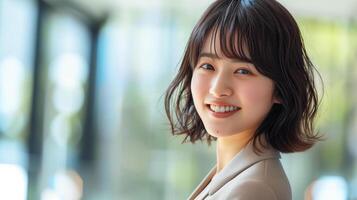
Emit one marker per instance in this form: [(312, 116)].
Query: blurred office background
[(81, 100)]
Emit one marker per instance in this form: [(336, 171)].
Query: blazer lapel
[(241, 161), (203, 184), (244, 159)]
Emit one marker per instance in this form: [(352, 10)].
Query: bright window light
[(13, 182), (330, 187)]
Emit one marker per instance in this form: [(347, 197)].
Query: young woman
[(246, 82)]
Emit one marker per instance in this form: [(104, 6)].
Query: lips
[(221, 112), (216, 108)]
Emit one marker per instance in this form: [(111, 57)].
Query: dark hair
[(276, 49)]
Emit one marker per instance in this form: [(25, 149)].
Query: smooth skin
[(219, 80)]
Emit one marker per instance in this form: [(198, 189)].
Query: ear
[(276, 100), (276, 97)]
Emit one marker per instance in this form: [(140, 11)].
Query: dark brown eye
[(207, 66), (243, 71)]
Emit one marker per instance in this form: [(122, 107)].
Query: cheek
[(259, 95), (194, 87), (197, 87)]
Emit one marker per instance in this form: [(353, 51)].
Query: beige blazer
[(247, 176)]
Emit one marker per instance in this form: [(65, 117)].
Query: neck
[(227, 147)]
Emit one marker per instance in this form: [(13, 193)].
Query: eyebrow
[(215, 56)]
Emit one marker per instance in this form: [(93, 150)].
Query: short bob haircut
[(276, 49)]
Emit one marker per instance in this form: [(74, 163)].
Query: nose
[(220, 86)]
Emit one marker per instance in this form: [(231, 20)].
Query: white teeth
[(223, 108)]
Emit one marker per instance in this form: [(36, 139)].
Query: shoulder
[(253, 189), (263, 180)]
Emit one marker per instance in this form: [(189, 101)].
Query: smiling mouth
[(222, 109)]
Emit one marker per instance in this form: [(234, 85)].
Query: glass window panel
[(66, 65), (17, 34), (16, 58)]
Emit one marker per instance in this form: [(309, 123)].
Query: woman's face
[(230, 96)]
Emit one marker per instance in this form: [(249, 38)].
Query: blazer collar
[(203, 184), (241, 161)]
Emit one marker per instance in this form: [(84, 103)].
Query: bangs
[(232, 43), (227, 26)]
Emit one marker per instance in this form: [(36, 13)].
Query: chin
[(220, 132)]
